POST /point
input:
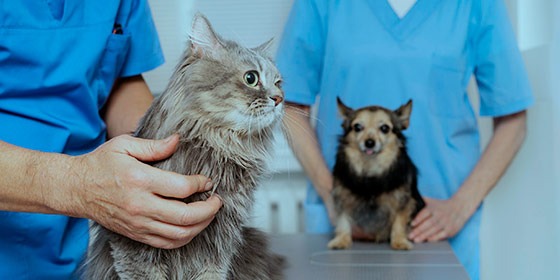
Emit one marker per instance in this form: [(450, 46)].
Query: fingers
[(421, 224), (177, 230), (441, 235), (422, 216), (426, 227), (165, 236), (424, 224), (147, 150), (169, 224), (186, 236), (182, 214), (164, 183), (170, 184), (424, 231)]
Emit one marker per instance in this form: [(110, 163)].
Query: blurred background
[(520, 233)]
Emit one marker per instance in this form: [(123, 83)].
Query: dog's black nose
[(369, 143)]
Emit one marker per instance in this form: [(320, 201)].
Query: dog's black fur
[(397, 175)]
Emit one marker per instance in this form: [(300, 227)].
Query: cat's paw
[(341, 241), (401, 244)]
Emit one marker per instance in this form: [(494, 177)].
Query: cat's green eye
[(252, 78)]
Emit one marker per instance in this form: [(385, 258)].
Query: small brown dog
[(374, 178)]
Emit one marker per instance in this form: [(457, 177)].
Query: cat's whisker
[(262, 135), (301, 112), (288, 132), (250, 128), (298, 110)]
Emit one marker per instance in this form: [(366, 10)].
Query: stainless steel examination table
[(309, 258)]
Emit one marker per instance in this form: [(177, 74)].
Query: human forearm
[(442, 219), (112, 186), (129, 100), (509, 134), (303, 142), (34, 181)]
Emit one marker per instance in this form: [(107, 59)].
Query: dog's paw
[(401, 244), (343, 241)]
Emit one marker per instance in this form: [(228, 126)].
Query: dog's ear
[(403, 114), (346, 113), (343, 110)]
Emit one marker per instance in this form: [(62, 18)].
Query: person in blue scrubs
[(70, 78), (363, 52)]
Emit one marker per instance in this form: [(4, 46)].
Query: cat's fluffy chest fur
[(225, 123)]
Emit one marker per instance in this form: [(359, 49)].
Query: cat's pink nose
[(277, 99)]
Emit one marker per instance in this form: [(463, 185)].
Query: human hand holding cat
[(139, 201)]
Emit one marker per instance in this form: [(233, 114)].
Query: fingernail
[(209, 185), (219, 198)]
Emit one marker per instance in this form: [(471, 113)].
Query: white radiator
[(279, 204)]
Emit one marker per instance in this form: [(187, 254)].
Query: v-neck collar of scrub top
[(401, 28)]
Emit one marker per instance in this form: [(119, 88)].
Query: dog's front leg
[(343, 233), (399, 240)]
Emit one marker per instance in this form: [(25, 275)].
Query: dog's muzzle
[(369, 147)]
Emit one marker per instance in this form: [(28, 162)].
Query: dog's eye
[(358, 127), (385, 128)]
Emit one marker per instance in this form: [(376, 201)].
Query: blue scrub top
[(364, 53), (58, 62)]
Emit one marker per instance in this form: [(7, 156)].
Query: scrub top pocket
[(446, 79), (111, 64)]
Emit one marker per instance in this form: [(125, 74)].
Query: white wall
[(521, 222)]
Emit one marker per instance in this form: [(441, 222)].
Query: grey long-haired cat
[(223, 100)]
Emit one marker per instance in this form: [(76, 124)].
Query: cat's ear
[(203, 39), (265, 47)]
